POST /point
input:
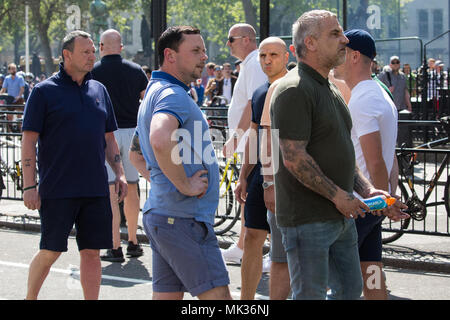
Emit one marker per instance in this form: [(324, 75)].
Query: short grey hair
[(69, 40), (309, 24)]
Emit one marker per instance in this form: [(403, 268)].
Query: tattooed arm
[(112, 155), (361, 184), (306, 170), (137, 159), (31, 197)]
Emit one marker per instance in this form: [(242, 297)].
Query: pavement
[(429, 253)]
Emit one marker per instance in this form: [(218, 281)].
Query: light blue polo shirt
[(13, 85), (169, 95)]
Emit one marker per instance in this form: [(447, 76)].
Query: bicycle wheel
[(228, 210), (447, 196), (395, 226)]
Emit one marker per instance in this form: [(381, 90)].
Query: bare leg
[(251, 268), (131, 209), (116, 217), (39, 269), (168, 295), (240, 242), (90, 273), (218, 293), (374, 283)]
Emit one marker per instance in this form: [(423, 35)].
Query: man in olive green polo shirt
[(316, 176)]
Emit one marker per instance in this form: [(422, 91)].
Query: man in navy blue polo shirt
[(71, 118)]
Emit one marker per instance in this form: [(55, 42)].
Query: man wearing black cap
[(374, 133)]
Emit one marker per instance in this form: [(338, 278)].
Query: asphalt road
[(132, 279)]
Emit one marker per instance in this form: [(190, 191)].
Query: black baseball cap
[(360, 40)]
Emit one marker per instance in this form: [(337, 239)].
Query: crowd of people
[(315, 139)]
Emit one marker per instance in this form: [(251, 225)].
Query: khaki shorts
[(123, 138)]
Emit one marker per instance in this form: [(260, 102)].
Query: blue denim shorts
[(186, 255), (92, 218)]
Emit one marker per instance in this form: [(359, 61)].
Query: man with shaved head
[(273, 57), (242, 43), (126, 83)]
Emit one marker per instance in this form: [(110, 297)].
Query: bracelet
[(29, 188)]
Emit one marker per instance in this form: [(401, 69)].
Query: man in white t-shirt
[(242, 43), (374, 135)]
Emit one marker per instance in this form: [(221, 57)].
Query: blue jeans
[(323, 254)]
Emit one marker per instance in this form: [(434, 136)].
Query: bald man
[(126, 83), (273, 58)]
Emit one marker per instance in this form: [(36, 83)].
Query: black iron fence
[(436, 222), (10, 151)]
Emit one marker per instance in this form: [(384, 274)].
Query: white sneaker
[(267, 263), (233, 254)]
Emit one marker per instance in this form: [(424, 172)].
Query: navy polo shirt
[(71, 121), (124, 80), (258, 98)]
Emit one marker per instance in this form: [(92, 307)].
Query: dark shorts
[(255, 211), (92, 218), (369, 237), (185, 255)]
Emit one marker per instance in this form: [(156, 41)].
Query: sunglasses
[(395, 62), (231, 39)]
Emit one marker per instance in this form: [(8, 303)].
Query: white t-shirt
[(372, 110), (227, 92), (251, 77)]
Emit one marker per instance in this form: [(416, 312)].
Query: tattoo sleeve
[(305, 169), (135, 145), (361, 183)]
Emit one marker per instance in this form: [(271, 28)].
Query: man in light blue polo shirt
[(176, 145), (14, 84)]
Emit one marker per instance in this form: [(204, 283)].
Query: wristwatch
[(267, 184)]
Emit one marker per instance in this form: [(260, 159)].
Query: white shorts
[(123, 138)]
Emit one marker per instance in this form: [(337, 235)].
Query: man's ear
[(292, 49), (66, 54), (310, 43), (169, 55)]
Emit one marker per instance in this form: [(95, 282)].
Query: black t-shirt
[(124, 80)]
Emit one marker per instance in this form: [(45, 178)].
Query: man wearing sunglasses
[(242, 43), (395, 80)]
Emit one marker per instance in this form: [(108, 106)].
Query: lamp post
[(27, 43)]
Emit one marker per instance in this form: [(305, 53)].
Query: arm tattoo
[(117, 158), (135, 145), (305, 169), (27, 162), (361, 184)]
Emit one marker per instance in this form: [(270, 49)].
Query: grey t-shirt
[(398, 81)]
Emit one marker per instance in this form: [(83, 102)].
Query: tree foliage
[(212, 17)]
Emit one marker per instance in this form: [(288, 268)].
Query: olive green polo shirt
[(307, 107)]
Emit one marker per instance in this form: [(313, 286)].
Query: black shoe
[(134, 250), (113, 255)]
